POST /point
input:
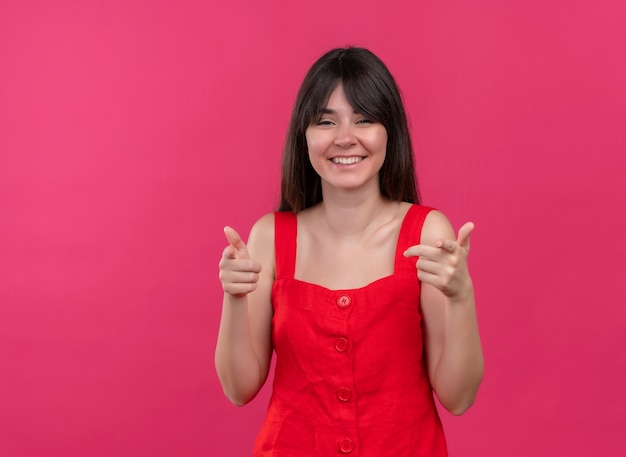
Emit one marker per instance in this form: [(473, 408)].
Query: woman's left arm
[(454, 355)]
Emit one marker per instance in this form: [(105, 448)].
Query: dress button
[(344, 394), (346, 446), (344, 301), (341, 344)]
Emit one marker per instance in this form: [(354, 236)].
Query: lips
[(346, 160)]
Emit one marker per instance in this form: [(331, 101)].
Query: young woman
[(363, 294)]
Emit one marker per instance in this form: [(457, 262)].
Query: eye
[(324, 122), (364, 121)]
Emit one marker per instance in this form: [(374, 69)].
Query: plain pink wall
[(131, 132)]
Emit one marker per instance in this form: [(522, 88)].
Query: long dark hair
[(372, 91)]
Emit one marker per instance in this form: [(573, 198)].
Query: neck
[(354, 213)]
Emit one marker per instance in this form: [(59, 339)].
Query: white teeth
[(346, 160)]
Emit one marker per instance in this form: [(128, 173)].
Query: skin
[(341, 134), (349, 241)]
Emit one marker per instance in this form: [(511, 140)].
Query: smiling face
[(346, 149)]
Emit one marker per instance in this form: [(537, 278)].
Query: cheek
[(314, 144), (310, 140), (378, 141), (384, 144)]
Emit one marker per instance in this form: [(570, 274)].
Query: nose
[(345, 136)]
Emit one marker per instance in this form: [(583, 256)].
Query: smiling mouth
[(346, 160)]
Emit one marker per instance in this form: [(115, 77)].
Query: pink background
[(131, 132)]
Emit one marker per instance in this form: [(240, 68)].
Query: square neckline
[(402, 235)]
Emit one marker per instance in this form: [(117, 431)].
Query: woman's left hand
[(445, 265)]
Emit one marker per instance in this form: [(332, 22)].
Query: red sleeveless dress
[(350, 376)]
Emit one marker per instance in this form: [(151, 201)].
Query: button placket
[(344, 394)]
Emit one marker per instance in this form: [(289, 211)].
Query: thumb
[(464, 233), (235, 241)]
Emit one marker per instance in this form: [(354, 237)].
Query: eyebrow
[(332, 111)]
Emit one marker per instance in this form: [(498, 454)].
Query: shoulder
[(261, 242), (263, 225), (436, 226), (261, 239), (262, 232)]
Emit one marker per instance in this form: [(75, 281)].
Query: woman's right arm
[(244, 342)]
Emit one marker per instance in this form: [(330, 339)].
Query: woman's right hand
[(238, 272)]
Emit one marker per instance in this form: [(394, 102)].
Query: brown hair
[(372, 91)]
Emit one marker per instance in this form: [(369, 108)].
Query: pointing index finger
[(421, 250), (235, 240), (446, 245)]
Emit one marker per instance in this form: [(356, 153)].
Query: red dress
[(350, 376)]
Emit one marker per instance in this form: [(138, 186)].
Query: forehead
[(337, 98)]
